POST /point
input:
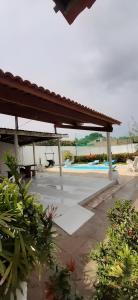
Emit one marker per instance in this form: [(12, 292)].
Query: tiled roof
[(17, 82)]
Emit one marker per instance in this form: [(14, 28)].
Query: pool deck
[(68, 196)]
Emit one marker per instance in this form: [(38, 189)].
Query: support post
[(109, 155), (34, 153), (59, 156), (16, 146), (60, 159), (34, 158)]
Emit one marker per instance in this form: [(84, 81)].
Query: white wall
[(5, 148), (26, 153)]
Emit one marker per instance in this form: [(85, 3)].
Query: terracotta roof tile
[(56, 97)]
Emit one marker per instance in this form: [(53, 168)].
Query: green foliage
[(120, 157), (68, 143), (68, 155), (89, 158), (88, 139), (117, 256), (26, 237), (54, 142), (59, 286)]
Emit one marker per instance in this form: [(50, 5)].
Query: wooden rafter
[(90, 128)]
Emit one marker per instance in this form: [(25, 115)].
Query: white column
[(34, 155), (59, 157), (16, 146), (60, 160), (109, 155)]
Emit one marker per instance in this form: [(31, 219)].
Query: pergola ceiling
[(23, 99), (26, 137)]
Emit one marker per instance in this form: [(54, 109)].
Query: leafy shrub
[(90, 158), (120, 157), (117, 256), (61, 284), (26, 237), (68, 155)]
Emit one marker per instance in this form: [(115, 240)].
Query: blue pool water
[(87, 167)]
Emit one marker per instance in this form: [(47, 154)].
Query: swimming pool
[(87, 167)]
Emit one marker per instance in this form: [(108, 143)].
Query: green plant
[(26, 236), (60, 284), (120, 157), (117, 256), (68, 155)]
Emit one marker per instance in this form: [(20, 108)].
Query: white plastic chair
[(133, 165)]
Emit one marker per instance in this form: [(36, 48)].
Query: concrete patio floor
[(68, 195), (78, 245)]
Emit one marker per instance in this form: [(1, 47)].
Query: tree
[(88, 139)]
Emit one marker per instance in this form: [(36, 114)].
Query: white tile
[(73, 219)]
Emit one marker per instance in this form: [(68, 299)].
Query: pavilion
[(21, 98)]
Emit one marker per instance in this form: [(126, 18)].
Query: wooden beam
[(89, 128), (32, 133)]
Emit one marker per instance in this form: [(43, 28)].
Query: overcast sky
[(93, 61)]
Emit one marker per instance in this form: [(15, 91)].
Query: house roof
[(72, 8), (26, 137), (24, 99)]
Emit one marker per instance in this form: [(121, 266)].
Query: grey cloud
[(94, 61)]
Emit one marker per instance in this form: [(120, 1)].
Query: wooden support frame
[(85, 127)]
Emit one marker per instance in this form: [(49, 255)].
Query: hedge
[(120, 157)]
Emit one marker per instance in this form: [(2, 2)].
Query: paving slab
[(73, 218), (67, 194), (79, 244)]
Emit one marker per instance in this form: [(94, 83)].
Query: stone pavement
[(78, 245)]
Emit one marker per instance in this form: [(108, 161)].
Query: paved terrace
[(68, 196), (79, 244)]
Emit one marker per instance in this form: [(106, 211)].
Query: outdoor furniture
[(107, 162), (51, 163), (26, 171), (133, 165), (95, 162), (68, 162)]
